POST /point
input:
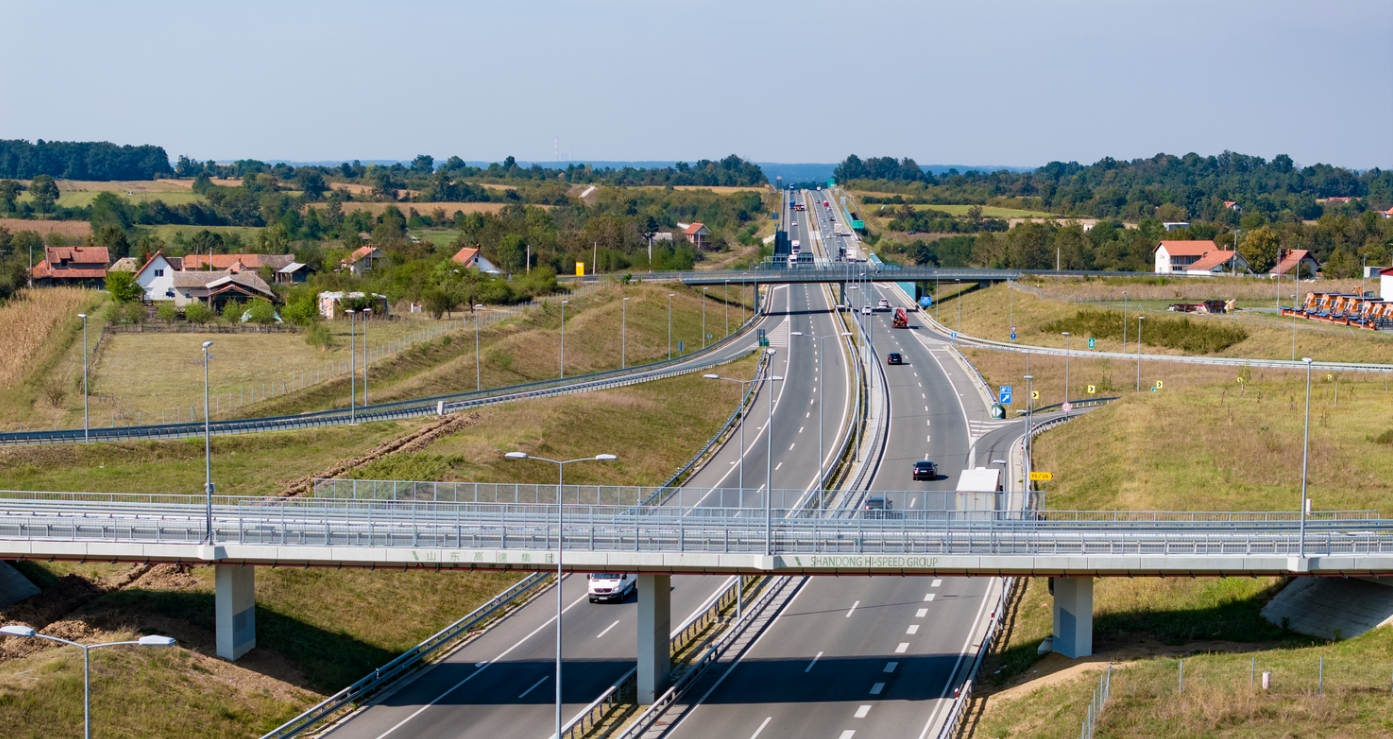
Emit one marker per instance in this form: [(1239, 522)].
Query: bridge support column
[(654, 639), (1073, 616), (841, 293), (756, 297), (235, 606)]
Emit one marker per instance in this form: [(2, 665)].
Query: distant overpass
[(851, 272)]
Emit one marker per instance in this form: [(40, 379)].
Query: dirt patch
[(412, 442)]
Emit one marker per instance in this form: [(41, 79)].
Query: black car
[(925, 470), (894, 358), (877, 506)]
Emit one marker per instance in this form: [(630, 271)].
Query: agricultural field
[(317, 630), (377, 208), (44, 227), (41, 367), (80, 193), (168, 232)]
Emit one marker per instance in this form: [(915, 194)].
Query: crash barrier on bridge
[(440, 404), (776, 589), (777, 271), (624, 689), (413, 658)]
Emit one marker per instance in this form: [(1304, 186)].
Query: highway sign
[(1041, 476), (1158, 385), (998, 410), (681, 347), (1067, 406), (1092, 389), (1013, 334), (1004, 396), (926, 301), (1034, 394), (953, 334), (1092, 342)]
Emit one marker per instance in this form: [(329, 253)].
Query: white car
[(865, 310), (610, 586), (884, 304)]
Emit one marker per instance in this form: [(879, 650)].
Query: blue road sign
[(1005, 397), (954, 334), (681, 347), (926, 301), (1013, 336)]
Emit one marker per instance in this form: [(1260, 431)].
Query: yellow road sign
[(580, 269), (1034, 394), (1041, 476), (1158, 385), (1092, 389)]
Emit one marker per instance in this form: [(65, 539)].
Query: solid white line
[(922, 612), (875, 689), (534, 687), (853, 609), (913, 629), (816, 657), (890, 666), (476, 673), (957, 665), (902, 648), (616, 623), (862, 711), (767, 719)]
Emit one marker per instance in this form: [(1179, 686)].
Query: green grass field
[(84, 198), (988, 211), (168, 232)]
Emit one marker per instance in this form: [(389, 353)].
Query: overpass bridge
[(658, 541), (851, 272)]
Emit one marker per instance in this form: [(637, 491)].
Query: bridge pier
[(235, 606), (756, 291), (654, 639), (1073, 616)]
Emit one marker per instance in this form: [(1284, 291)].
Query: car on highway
[(865, 310), (925, 470), (894, 358), (610, 586), (877, 506), (883, 304)]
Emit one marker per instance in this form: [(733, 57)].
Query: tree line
[(81, 160)]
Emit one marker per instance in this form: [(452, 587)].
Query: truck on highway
[(901, 319), (610, 586)]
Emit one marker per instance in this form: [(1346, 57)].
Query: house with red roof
[(156, 277), (236, 262), (1199, 258), (471, 257), (80, 266), (697, 233), (1296, 263), (362, 260)]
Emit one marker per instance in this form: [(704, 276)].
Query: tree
[(123, 287), (198, 313), (9, 191), (45, 192), (114, 239), (261, 311), (1260, 248), (312, 183)]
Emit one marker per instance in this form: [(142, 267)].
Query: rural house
[(331, 303), (236, 262), (294, 272), (216, 287), (470, 257), (362, 260), (697, 233), (1296, 262), (80, 266), (156, 278), (1198, 258)]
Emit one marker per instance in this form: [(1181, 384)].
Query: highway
[(502, 683), (873, 657)]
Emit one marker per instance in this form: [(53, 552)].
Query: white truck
[(610, 586)]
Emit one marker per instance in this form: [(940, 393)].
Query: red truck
[(901, 319)]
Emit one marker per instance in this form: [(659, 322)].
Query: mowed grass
[(989, 313), (131, 381)]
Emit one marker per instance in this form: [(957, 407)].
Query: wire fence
[(1095, 706)]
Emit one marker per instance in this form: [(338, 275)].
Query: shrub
[(1385, 437), (1185, 334), (167, 312), (123, 287), (262, 312), (198, 313), (232, 312), (133, 312), (318, 335)]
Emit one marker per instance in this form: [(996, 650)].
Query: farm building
[(216, 287), (362, 260), (79, 266), (471, 257), (1296, 263)]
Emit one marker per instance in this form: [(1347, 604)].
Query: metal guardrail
[(837, 271), (407, 661), (963, 695), (693, 362), (592, 715)]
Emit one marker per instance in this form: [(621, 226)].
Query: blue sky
[(1012, 82)]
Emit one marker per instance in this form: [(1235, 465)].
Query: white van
[(610, 586)]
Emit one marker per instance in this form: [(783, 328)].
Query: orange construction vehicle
[(901, 319)]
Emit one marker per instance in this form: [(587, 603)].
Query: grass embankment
[(988, 313), (317, 630), (1203, 442), (529, 348), (41, 361)]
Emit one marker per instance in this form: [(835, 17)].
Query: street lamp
[(1305, 457), (352, 369), (207, 446), (563, 338), (85, 394), (703, 318), (144, 641), (741, 469), (560, 549), (624, 333), (727, 306), (1139, 320), (1066, 372), (478, 368), (367, 356), (1124, 321), (669, 324), (1029, 421), (1293, 327)]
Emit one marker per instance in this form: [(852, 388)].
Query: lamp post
[(207, 448), (560, 549), (85, 394), (669, 324), (1029, 409), (1305, 457), (774, 378), (727, 307), (144, 641), (703, 318), (1066, 370), (478, 369), (367, 313), (563, 338), (624, 333), (352, 369), (1293, 327), (1124, 321), (1139, 320)]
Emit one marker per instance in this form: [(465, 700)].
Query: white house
[(1385, 284), (1198, 258), (156, 278), (362, 260)]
